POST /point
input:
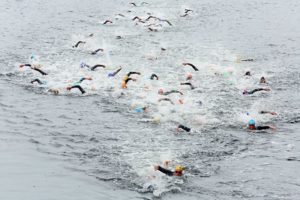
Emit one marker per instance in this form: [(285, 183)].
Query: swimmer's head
[(189, 76), (160, 91), (262, 80), (82, 64), (251, 122), (138, 110), (248, 73), (180, 101), (178, 170), (245, 92)]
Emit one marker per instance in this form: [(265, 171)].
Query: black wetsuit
[(128, 79), (253, 127), (187, 129), (262, 127), (38, 81), (255, 90), (165, 171), (154, 76), (172, 91), (130, 73), (166, 99), (96, 66), (96, 51), (78, 87), (191, 85), (36, 69)]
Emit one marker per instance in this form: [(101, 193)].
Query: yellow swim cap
[(179, 168), (125, 78)]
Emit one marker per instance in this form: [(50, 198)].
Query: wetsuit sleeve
[(256, 90), (262, 127), (130, 73), (165, 171), (129, 79), (172, 91), (27, 65)]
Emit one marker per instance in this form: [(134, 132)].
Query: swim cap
[(189, 76), (139, 110), (251, 122), (82, 64), (179, 168)]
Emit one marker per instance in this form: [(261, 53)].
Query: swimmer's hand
[(156, 167)]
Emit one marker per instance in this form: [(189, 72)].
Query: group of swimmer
[(251, 123), (131, 76)]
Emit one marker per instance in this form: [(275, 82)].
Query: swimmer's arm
[(166, 99), (173, 91), (163, 170), (130, 73), (268, 112)]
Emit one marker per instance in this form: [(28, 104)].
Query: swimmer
[(133, 4), (141, 110), (78, 43), (114, 73), (248, 60), (165, 99), (189, 77), (268, 112), (186, 12), (262, 80), (181, 127), (131, 73), (34, 68), (96, 66), (138, 18), (125, 81), (190, 84), (96, 51), (38, 81), (82, 65), (178, 170), (82, 79), (251, 126), (193, 66), (78, 87), (248, 73), (161, 92), (154, 76), (152, 29), (255, 90), (107, 21), (151, 17), (54, 91)]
